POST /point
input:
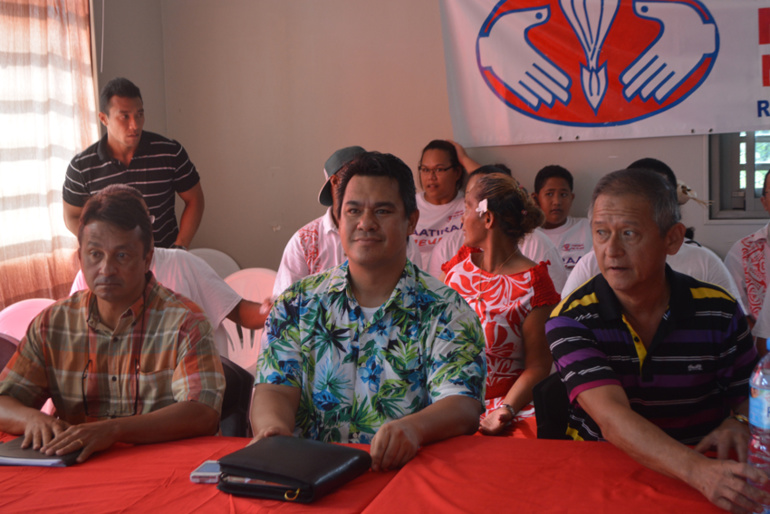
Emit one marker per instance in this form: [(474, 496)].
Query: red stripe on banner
[(766, 70), (764, 28)]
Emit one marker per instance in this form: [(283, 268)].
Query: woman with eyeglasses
[(442, 176), (512, 295)]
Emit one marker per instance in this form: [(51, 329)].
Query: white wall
[(132, 47), (261, 92)]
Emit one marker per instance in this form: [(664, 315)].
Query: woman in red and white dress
[(512, 295)]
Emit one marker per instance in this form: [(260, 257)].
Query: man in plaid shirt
[(126, 360)]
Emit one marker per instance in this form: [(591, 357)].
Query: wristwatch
[(740, 418), (509, 408)]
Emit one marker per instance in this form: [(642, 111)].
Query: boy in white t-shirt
[(553, 193)]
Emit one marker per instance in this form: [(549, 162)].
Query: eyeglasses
[(84, 392), (438, 170)]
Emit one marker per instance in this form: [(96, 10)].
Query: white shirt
[(436, 221), (535, 246), (190, 276), (697, 261), (317, 247), (572, 240)]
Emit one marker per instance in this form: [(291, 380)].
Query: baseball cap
[(333, 165)]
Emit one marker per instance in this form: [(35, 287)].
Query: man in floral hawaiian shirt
[(375, 350)]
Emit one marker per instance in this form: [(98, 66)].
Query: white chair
[(15, 319), (222, 263), (243, 344)]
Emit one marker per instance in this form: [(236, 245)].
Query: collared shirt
[(423, 344), (190, 276), (314, 248), (159, 168), (686, 381), (162, 346), (697, 261)]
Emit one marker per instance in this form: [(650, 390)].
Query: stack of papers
[(12, 454)]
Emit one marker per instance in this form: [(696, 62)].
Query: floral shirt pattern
[(502, 303), (422, 345)]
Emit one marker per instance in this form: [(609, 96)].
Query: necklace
[(494, 272)]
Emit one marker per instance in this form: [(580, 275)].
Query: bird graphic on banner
[(591, 20), (526, 72), (670, 59)]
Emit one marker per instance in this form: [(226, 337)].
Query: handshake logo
[(596, 62)]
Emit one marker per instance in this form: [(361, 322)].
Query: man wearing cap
[(316, 246)]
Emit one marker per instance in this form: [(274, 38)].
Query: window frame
[(724, 177)]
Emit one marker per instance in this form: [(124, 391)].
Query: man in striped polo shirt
[(156, 166), (654, 360)]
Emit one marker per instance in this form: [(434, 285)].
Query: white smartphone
[(206, 473)]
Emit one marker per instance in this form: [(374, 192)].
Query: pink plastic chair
[(8, 346), (15, 318), (14, 321)]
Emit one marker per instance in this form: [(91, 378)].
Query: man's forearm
[(249, 314), (451, 416), (273, 409), (192, 215), (14, 415), (177, 421), (636, 436), (72, 217)]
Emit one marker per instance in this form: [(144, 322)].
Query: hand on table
[(730, 435), (394, 444), (41, 429), (90, 437), (724, 483), (269, 432), (495, 422)]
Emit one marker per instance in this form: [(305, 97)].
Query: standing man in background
[(158, 167)]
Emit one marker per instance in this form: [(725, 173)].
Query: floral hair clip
[(482, 208)]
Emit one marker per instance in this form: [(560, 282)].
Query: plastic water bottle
[(759, 419)]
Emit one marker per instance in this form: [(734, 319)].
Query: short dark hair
[(122, 206), (118, 86), (552, 171), (648, 163), (648, 184), (376, 164), (454, 159)]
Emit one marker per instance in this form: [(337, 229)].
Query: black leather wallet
[(290, 469)]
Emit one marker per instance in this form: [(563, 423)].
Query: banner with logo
[(536, 71)]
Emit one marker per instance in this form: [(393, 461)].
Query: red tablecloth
[(156, 478), (464, 474), (490, 474)]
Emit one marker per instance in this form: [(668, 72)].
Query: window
[(47, 115), (739, 163)]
